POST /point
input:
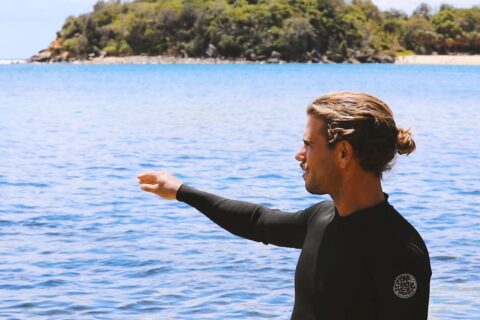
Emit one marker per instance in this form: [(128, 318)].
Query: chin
[(314, 189)]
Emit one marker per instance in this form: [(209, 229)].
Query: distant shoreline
[(13, 61), (411, 59), (466, 60), (162, 60)]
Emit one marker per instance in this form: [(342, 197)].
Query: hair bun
[(405, 142)]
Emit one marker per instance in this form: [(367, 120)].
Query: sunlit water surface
[(79, 240)]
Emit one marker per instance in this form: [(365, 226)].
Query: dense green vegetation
[(297, 30)]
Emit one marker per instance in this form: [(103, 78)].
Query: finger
[(149, 187), (147, 180), (148, 173), (149, 177)]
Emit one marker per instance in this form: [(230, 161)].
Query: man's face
[(316, 159)]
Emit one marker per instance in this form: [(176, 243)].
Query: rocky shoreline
[(56, 53), (190, 60), (472, 60), (159, 60)]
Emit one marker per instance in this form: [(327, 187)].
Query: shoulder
[(405, 234), (395, 242), (321, 210)]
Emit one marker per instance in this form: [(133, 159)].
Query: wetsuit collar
[(379, 207)]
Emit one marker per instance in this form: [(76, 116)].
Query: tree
[(423, 11), (445, 24), (296, 37), (419, 36), (255, 28)]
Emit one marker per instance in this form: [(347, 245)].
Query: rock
[(67, 56), (42, 56), (57, 57), (324, 59), (357, 54), (273, 60), (252, 56), (276, 55), (211, 51), (383, 58), (352, 61), (315, 54), (335, 57), (376, 58), (312, 56), (362, 57), (380, 58), (367, 56)]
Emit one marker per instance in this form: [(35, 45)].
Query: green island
[(264, 31)]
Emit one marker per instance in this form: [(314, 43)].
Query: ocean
[(79, 240)]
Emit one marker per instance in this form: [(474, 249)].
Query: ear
[(345, 153)]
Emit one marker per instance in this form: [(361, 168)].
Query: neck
[(357, 194)]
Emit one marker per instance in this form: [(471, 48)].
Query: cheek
[(321, 162), (312, 160), (309, 154)]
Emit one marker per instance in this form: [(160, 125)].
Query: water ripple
[(80, 241)]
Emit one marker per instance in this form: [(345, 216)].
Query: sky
[(28, 26)]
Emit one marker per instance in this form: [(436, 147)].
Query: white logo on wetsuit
[(405, 286)]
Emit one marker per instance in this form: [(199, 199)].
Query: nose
[(300, 156)]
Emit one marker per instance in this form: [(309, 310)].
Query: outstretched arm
[(241, 218)]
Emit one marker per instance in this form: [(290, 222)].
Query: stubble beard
[(313, 186), (314, 189)]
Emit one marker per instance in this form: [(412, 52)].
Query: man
[(360, 258)]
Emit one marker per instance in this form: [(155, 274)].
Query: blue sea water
[(79, 240)]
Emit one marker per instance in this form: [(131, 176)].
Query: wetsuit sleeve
[(402, 281), (248, 220)]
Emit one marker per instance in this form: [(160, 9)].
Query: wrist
[(178, 192)]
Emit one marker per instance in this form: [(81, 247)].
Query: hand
[(162, 183)]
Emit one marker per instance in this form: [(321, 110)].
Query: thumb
[(149, 187)]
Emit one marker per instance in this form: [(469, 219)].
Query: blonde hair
[(367, 123)]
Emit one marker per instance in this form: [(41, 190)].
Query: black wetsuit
[(369, 265)]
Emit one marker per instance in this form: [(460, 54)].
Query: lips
[(304, 166)]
